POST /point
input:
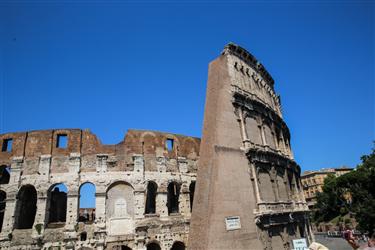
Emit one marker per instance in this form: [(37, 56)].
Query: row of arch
[(177, 245), (26, 202), (173, 192)]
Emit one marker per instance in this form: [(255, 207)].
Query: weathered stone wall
[(249, 192), (120, 174)]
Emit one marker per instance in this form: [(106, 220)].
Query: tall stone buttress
[(248, 191)]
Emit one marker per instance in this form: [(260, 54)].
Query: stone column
[(44, 167), (254, 178), (182, 164), (16, 169), (11, 201), (139, 203), (263, 136), (72, 209), (184, 200), (242, 120), (161, 204), (273, 177), (101, 166), (100, 218), (40, 216), (72, 199), (8, 222), (283, 145)]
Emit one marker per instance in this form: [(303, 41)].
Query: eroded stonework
[(249, 193), (37, 215), (246, 167)]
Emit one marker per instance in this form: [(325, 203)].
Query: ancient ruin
[(248, 196), (144, 190), (248, 193)]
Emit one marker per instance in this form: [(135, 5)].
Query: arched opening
[(151, 198), (191, 194), (26, 207), (3, 197), (153, 246), (120, 208), (57, 201), (4, 174), (87, 203), (121, 247), (178, 245), (172, 197), (83, 236)]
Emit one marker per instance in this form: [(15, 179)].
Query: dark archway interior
[(172, 196), (151, 198), (57, 206), (26, 207), (153, 246), (3, 197), (191, 194), (83, 236), (178, 245), (4, 175)]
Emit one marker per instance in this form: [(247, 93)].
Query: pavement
[(335, 243)]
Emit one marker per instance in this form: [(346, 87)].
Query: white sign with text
[(300, 244), (232, 223)]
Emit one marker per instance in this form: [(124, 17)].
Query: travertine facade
[(37, 216), (249, 193)]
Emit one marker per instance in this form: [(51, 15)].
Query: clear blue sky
[(115, 66)]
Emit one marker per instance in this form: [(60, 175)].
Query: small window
[(83, 236), (7, 145), (169, 143), (62, 141)]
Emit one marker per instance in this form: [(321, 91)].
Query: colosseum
[(248, 193)]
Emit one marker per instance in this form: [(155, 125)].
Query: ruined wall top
[(248, 58), (37, 143)]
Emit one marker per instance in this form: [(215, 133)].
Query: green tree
[(353, 192), (361, 186), (327, 201)]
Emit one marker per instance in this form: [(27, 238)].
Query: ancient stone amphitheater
[(248, 196), (144, 187)]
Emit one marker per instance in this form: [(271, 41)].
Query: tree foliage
[(353, 192)]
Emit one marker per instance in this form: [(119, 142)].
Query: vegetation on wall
[(352, 193)]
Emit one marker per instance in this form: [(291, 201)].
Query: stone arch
[(4, 174), (253, 129), (120, 200), (173, 194), (154, 245), (121, 247), (3, 197), (191, 194), (269, 134), (57, 203), (265, 184), (151, 192), (120, 208), (178, 245), (26, 207), (86, 212)]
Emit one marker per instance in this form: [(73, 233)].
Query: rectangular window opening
[(7, 145), (169, 143), (62, 141)]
